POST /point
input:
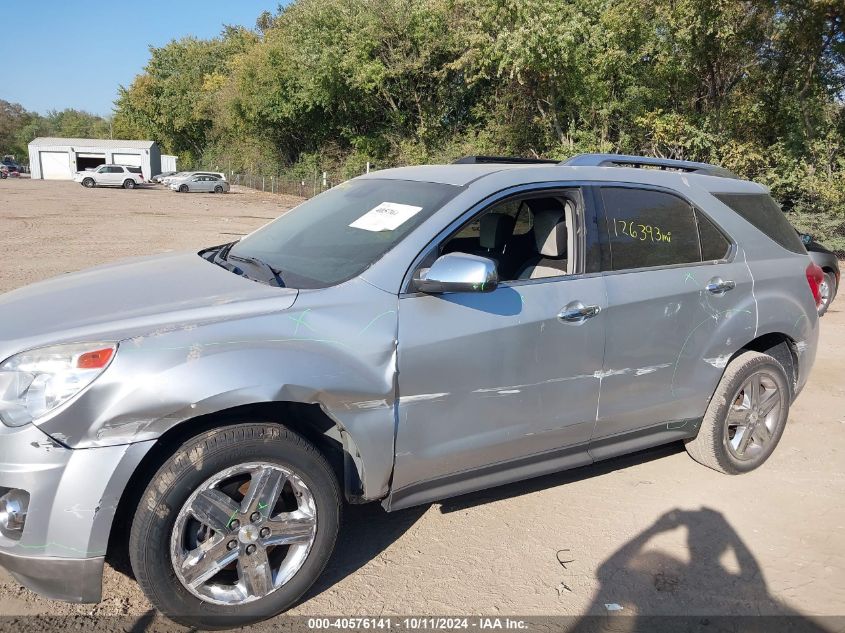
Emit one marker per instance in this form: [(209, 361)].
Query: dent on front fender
[(334, 347)]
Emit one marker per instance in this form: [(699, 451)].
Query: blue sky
[(67, 54)]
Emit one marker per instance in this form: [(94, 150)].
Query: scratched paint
[(719, 362)]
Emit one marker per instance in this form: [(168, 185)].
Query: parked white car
[(201, 182), (126, 176)]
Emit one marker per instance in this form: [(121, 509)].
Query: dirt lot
[(654, 532)]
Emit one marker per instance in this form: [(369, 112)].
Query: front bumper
[(68, 579), (73, 496)]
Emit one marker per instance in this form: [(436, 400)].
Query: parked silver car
[(406, 336), (207, 184), (185, 175)]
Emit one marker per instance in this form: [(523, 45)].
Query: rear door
[(110, 175), (677, 302)]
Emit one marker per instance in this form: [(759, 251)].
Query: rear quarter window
[(764, 213), (134, 170)]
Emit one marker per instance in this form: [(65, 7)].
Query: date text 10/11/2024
[(417, 623)]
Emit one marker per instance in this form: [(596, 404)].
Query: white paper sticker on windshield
[(386, 217)]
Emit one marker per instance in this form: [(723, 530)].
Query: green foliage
[(18, 127), (756, 85)]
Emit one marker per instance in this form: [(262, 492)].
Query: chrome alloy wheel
[(754, 416), (243, 533)]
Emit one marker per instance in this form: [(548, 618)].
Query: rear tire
[(743, 422), (223, 571), (89, 183), (218, 189), (128, 184), (828, 292), (183, 188)]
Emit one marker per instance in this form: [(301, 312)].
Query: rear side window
[(649, 228), (764, 213), (134, 170)]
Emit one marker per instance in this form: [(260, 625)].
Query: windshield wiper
[(277, 274)]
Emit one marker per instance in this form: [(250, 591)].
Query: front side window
[(342, 232), (528, 236), (649, 228)]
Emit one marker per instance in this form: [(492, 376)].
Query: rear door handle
[(719, 286), (577, 312)]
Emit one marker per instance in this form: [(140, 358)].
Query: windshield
[(340, 233)]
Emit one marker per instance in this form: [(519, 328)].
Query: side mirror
[(458, 272)]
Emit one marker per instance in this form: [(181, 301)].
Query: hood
[(130, 298)]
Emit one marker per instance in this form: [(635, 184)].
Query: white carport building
[(53, 158)]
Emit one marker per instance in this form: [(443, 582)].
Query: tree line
[(755, 85), (19, 126)]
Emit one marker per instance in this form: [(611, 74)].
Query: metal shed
[(53, 158)]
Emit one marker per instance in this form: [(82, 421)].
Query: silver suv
[(409, 335)]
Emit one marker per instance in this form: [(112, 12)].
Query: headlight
[(34, 383)]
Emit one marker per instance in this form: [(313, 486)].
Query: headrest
[(550, 233), (495, 230)]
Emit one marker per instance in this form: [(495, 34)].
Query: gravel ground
[(654, 532)]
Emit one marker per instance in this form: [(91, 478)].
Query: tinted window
[(649, 228), (764, 213), (714, 245), (134, 170), (342, 232)]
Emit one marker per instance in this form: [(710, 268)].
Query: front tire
[(183, 188), (746, 416), (235, 526), (88, 183)]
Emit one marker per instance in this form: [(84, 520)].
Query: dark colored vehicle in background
[(13, 166), (829, 263)]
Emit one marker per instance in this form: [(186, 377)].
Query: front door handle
[(719, 286), (577, 312)]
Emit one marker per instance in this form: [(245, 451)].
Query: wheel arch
[(308, 420), (782, 347)]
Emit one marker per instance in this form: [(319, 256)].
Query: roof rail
[(623, 160), (474, 160)]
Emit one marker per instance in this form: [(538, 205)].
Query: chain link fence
[(303, 187)]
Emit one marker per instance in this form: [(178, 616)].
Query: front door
[(499, 386)]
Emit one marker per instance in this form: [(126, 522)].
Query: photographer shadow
[(720, 586)]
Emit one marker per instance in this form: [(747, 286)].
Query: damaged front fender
[(336, 349)]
